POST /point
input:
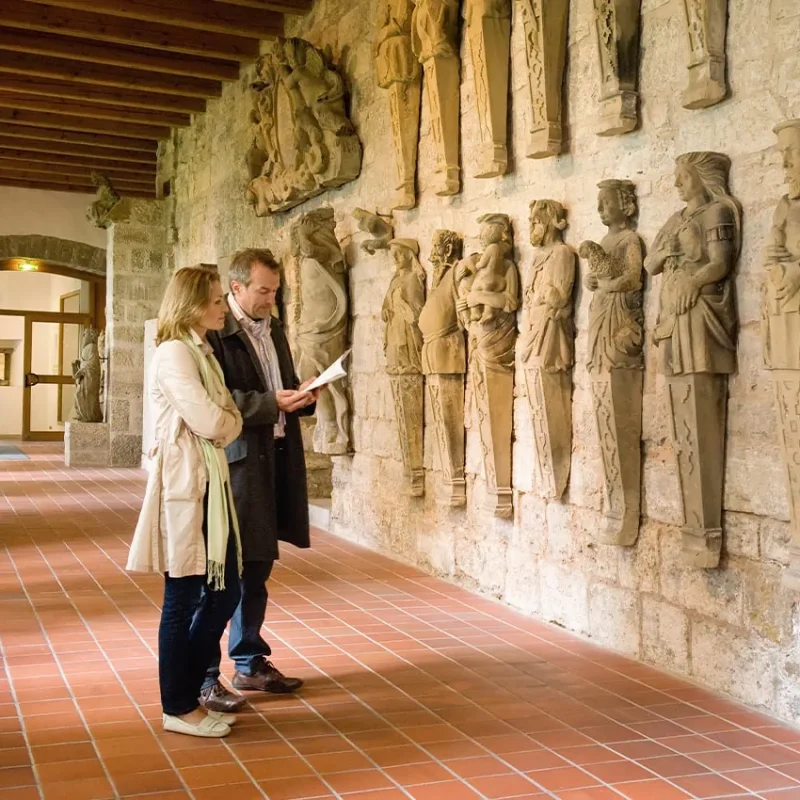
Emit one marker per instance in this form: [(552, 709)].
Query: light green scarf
[(220, 498)]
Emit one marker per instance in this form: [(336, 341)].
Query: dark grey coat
[(269, 485)]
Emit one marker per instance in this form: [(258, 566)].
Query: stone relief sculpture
[(696, 252), (403, 349), (616, 25), (303, 141), (434, 37), (781, 327), (321, 321), (488, 298), (399, 71), (100, 212), (379, 227), (489, 37), (86, 372), (444, 363), (706, 24), (547, 350), (615, 362), (545, 23)]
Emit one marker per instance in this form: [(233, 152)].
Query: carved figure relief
[(617, 32), (488, 298), (321, 321), (781, 327), (403, 349), (696, 252), (444, 363), (615, 361), (545, 23), (86, 372), (434, 37), (489, 37), (379, 228), (101, 212), (547, 350), (706, 24), (303, 141), (399, 72)]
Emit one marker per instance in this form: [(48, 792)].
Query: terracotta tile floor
[(415, 688)]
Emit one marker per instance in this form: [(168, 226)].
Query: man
[(267, 465)]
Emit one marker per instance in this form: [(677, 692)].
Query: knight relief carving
[(615, 362), (403, 349), (487, 284), (489, 37), (781, 327), (696, 253), (321, 321), (706, 24), (547, 350), (434, 37), (444, 363), (545, 23), (101, 213), (86, 373), (617, 33), (377, 226), (399, 72), (303, 141)]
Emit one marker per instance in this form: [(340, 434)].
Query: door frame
[(61, 302)]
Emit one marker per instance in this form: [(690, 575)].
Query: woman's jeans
[(192, 623)]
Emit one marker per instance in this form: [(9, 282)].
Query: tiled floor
[(415, 689)]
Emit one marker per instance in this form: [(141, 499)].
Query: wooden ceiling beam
[(85, 162), (36, 149), (117, 55), (44, 119), (53, 177), (203, 15), (101, 28), (121, 77), (73, 187), (107, 111), (57, 138), (282, 6), (82, 172)]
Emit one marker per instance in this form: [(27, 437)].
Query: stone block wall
[(734, 628)]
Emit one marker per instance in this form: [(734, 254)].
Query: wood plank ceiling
[(93, 85)]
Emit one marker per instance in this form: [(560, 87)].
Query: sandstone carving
[(547, 349), (403, 348), (696, 252), (434, 37), (399, 72), (615, 355), (489, 37), (706, 24), (545, 23), (303, 142), (101, 212), (86, 372), (444, 363), (488, 298), (781, 327), (379, 227), (617, 32), (321, 321)]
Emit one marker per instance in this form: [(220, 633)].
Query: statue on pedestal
[(86, 372)]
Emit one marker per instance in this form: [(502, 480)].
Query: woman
[(187, 528)]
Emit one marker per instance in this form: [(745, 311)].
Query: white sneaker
[(209, 728), (220, 716)]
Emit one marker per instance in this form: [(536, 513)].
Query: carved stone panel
[(303, 141), (617, 31), (696, 252), (545, 23), (434, 37), (706, 24), (489, 37), (399, 72), (547, 349), (321, 321), (781, 326)]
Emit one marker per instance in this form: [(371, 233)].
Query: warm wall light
[(27, 266)]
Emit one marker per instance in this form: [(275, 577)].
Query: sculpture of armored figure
[(100, 211), (322, 317), (86, 372)]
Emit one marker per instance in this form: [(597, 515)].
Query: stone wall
[(732, 628)]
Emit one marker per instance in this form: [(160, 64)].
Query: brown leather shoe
[(266, 679), (218, 698)]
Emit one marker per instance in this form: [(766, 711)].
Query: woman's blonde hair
[(186, 299)]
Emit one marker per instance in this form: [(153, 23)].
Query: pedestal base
[(707, 84), (453, 494), (448, 182), (494, 162), (87, 444), (618, 114), (409, 408), (701, 548), (500, 503), (545, 142)]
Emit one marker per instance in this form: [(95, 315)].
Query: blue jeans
[(193, 619), (246, 646)]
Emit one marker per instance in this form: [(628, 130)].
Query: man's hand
[(290, 400), (314, 394)]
